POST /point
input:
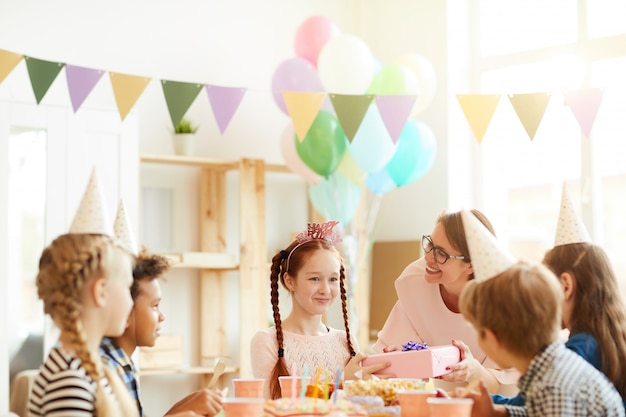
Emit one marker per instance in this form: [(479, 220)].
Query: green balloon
[(324, 144)]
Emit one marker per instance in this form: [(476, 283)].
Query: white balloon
[(426, 79), (346, 65)]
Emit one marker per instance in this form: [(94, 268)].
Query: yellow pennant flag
[(478, 110), (127, 89), (8, 61), (303, 108), (530, 109)]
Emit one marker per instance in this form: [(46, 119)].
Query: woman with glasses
[(427, 309)]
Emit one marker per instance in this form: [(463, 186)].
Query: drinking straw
[(326, 390), (318, 371), (305, 375), (336, 392)]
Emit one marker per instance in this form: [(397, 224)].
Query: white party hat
[(123, 230), (570, 228), (488, 257), (91, 216)]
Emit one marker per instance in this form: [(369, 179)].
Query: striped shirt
[(62, 388), (558, 382)]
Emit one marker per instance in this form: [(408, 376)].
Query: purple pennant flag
[(395, 110), (81, 81), (224, 101)]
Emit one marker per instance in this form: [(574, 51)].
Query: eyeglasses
[(441, 257)]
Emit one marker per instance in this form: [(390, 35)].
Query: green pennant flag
[(350, 111), (179, 97), (42, 74)]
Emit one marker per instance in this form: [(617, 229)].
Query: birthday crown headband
[(314, 231)]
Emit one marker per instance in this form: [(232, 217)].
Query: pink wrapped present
[(425, 363)]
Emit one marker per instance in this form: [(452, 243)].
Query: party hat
[(91, 216), (488, 257), (123, 230), (570, 228)]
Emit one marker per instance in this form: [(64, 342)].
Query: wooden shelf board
[(202, 260), (193, 370), (205, 162)]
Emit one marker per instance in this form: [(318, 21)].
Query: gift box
[(425, 363)]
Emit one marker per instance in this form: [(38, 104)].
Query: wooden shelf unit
[(252, 255)]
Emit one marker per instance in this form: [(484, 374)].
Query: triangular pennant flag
[(487, 256), (570, 228), (530, 109), (478, 110), (584, 104), (123, 230), (127, 89), (395, 111), (81, 81), (91, 216), (179, 96), (303, 108), (8, 61), (350, 111), (42, 74), (224, 102)]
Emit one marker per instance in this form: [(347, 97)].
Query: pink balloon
[(294, 74), (312, 35), (292, 159)]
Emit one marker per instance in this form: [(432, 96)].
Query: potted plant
[(184, 137)]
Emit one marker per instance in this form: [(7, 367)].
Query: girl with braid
[(311, 269)]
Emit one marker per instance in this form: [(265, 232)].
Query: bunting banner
[(224, 102), (127, 89), (42, 74), (303, 109), (395, 111), (350, 111), (530, 109), (478, 110), (8, 61), (179, 96), (80, 82), (584, 105)]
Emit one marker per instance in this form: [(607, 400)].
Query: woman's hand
[(354, 370), (467, 369)]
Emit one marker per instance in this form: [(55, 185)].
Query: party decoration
[(123, 230), (570, 227), (81, 81), (426, 80), (394, 110), (415, 153), (584, 105), (324, 144), (290, 155), (350, 111), (312, 35), (478, 110), (8, 61), (394, 79), (372, 146), (179, 97), (380, 182), (303, 109), (294, 74), (224, 102), (336, 198), (42, 74), (91, 215), (530, 109), (127, 89), (345, 65), (351, 170)]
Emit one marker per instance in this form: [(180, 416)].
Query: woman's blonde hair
[(66, 266), (521, 306)]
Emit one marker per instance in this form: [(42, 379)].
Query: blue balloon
[(380, 182), (415, 153), (336, 198)]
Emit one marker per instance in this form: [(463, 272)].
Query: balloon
[(336, 198), (372, 146), (351, 170), (415, 154), (324, 144), (290, 155), (426, 79), (294, 74), (312, 35), (380, 182), (345, 65), (394, 79)]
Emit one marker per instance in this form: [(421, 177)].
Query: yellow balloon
[(351, 170)]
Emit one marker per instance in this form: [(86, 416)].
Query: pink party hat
[(570, 228), (488, 257), (91, 216), (123, 230)]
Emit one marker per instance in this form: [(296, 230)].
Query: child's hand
[(354, 370), (483, 406), (206, 402)]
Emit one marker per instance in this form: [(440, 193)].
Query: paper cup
[(450, 407), (288, 383), (249, 388), (243, 407), (413, 402)]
